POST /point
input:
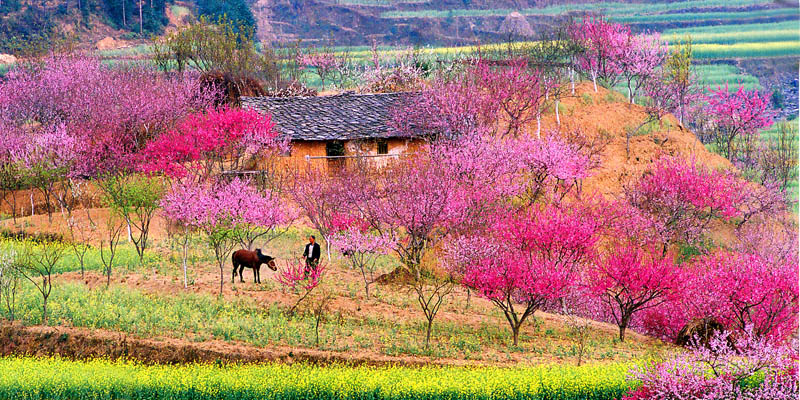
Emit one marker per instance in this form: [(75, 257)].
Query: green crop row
[(734, 28), (35, 378), (747, 50), (126, 258), (707, 16), (609, 8), (774, 35), (714, 75), (383, 3)]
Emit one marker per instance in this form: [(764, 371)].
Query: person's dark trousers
[(311, 265)]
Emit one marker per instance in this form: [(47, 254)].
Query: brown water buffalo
[(251, 259)]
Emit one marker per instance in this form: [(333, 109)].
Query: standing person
[(311, 254)]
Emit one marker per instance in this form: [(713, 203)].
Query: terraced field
[(722, 29), (713, 75), (607, 8)]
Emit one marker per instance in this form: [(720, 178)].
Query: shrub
[(728, 368)]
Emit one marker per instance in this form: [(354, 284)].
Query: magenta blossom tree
[(541, 254), (746, 290), (630, 279), (298, 278), (204, 144), (740, 114)]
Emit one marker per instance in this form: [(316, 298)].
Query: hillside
[(360, 22), (190, 324), (447, 22)]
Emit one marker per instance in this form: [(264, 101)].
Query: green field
[(737, 29), (713, 75), (35, 378), (707, 16), (608, 8)]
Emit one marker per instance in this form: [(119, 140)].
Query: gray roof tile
[(344, 116)]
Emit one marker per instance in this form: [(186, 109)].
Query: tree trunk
[(428, 333), (594, 81), (316, 332), (515, 334), (141, 24), (558, 118), (623, 325), (185, 249), (221, 279), (572, 79), (44, 311), (538, 126)]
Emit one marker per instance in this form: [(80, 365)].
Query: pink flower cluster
[(541, 253), (212, 140), (297, 276), (682, 198), (745, 367), (223, 205), (111, 111)]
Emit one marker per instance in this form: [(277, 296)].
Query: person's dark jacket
[(314, 252)]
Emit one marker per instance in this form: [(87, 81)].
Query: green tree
[(222, 46), (681, 74), (134, 198)]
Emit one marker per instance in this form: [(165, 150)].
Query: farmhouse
[(332, 129)]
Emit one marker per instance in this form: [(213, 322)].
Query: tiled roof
[(345, 116)]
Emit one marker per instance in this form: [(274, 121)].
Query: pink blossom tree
[(541, 254), (218, 210), (299, 279), (516, 90), (742, 367), (630, 279), (553, 167), (448, 109), (645, 55), (740, 114), (362, 248), (605, 45), (324, 61), (319, 198), (49, 157), (682, 198)]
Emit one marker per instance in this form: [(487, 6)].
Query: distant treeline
[(39, 20)]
